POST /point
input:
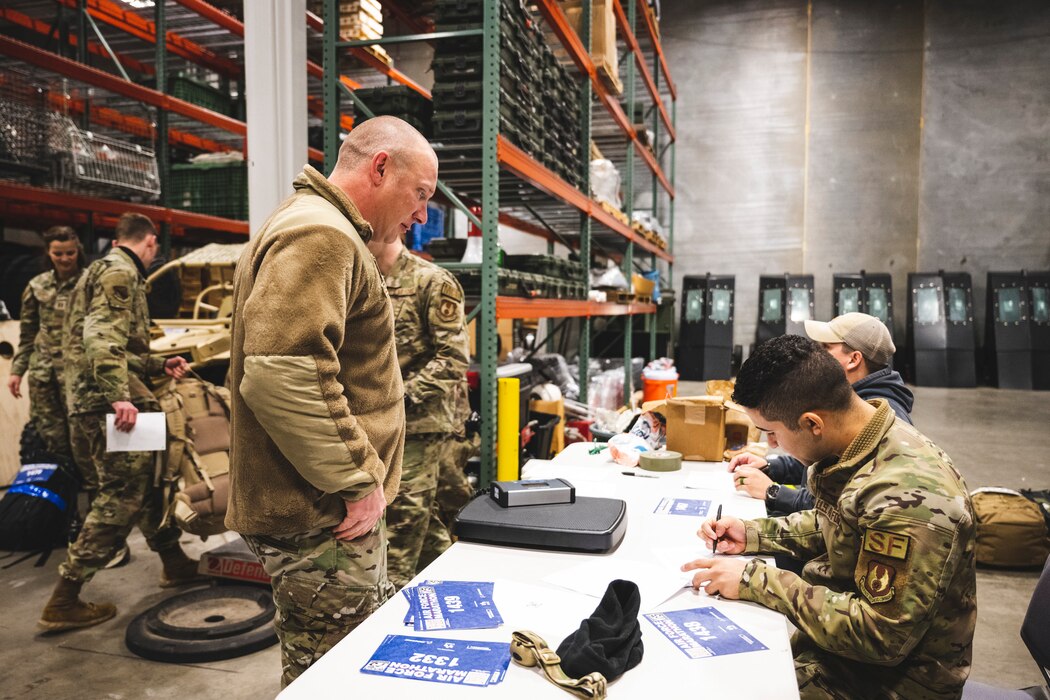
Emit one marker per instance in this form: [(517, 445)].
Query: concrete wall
[(834, 136), (985, 190)]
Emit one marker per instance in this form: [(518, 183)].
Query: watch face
[(772, 491)]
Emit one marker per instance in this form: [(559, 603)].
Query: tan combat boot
[(179, 570), (65, 610)]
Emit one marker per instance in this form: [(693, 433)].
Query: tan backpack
[(196, 468), (1011, 530)]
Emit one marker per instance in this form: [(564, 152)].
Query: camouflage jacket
[(44, 304), (886, 604), (433, 348), (106, 335)]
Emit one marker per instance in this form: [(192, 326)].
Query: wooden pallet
[(618, 296)]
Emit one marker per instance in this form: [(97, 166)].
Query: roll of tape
[(661, 461)]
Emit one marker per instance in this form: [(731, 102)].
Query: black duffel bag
[(36, 510)]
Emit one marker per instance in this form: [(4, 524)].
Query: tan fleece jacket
[(318, 408)]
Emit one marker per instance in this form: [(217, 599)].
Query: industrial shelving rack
[(527, 196), (502, 178)]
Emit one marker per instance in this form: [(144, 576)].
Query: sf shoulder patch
[(887, 544), (877, 582)]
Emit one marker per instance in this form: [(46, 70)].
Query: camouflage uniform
[(886, 604), (39, 359), (433, 350), (106, 336), (323, 589)]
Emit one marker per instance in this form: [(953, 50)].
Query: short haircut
[(133, 227), (63, 234), (790, 375), (384, 133)]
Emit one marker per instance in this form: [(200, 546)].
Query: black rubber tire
[(190, 627)]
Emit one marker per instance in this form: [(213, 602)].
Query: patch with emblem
[(447, 309), (887, 544), (877, 582)]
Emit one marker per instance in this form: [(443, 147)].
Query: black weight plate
[(206, 624)]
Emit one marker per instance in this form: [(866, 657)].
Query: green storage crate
[(219, 189), (200, 94)]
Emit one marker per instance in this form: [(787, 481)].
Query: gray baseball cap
[(865, 334)]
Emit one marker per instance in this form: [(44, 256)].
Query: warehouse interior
[(705, 177)]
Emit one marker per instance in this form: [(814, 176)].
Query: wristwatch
[(771, 495)]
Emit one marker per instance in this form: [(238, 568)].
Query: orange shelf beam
[(104, 116), (133, 23), (516, 161), (107, 81), (236, 27), (647, 77), (559, 23), (27, 195), (365, 56), (520, 307), (43, 28), (643, 9), (112, 83)]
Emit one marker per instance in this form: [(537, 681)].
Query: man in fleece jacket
[(863, 346), (318, 414)]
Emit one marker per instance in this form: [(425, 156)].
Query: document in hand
[(150, 434)]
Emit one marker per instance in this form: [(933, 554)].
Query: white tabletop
[(651, 550)]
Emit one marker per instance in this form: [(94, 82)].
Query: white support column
[(275, 90)]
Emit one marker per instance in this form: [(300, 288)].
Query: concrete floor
[(997, 438)]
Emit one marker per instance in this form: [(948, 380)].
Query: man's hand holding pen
[(720, 576)]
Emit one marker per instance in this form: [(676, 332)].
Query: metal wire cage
[(23, 140), (100, 165)]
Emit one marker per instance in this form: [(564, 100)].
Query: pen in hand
[(718, 539)]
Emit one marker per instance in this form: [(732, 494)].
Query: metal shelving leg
[(487, 330), (160, 18), (330, 86), (628, 193), (586, 101)]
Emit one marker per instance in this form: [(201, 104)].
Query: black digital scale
[(543, 514)]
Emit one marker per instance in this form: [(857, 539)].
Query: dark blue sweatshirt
[(883, 384)]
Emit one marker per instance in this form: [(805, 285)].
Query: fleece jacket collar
[(311, 178), (133, 258)]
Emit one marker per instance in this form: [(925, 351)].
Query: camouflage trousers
[(126, 498), (322, 588), (47, 411), (454, 490), (418, 535)]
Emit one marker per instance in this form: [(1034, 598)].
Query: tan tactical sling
[(196, 467)]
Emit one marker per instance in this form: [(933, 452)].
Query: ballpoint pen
[(644, 476), (718, 516)]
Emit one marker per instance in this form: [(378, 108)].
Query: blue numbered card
[(439, 605), (704, 632), (683, 506), (451, 661)]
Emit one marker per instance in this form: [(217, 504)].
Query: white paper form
[(712, 481), (150, 434), (592, 577)]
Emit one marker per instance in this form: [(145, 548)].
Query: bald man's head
[(396, 137), (389, 171)]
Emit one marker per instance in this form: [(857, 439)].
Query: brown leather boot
[(65, 610), (179, 570)]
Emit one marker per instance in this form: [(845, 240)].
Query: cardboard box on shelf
[(696, 426), (603, 38)]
